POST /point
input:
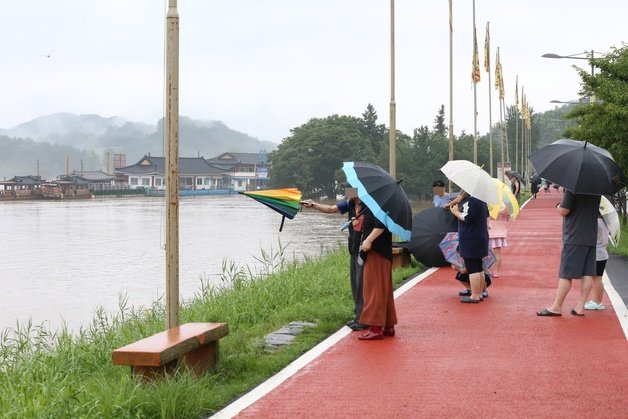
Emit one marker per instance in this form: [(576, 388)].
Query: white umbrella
[(472, 179), (611, 218)]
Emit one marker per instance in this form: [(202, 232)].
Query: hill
[(63, 141)]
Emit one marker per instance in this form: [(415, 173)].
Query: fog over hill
[(54, 139)]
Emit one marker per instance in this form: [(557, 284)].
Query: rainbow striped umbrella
[(286, 201)]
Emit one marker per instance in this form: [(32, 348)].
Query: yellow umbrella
[(506, 201)]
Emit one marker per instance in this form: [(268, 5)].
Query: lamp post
[(392, 161), (587, 55), (582, 102)]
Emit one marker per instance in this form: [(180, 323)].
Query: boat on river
[(29, 188)]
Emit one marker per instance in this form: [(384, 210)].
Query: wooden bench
[(194, 345), (401, 257)]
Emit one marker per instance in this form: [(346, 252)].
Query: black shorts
[(600, 265), (577, 261), (473, 266)]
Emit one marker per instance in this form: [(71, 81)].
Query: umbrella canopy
[(609, 214), (285, 201), (579, 167), (383, 195), (429, 227), (514, 174), (449, 247), (472, 179), (506, 201)]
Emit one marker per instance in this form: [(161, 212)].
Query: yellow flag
[(517, 94), (498, 71), (475, 71), (501, 81), (487, 51)]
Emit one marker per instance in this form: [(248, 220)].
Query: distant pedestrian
[(577, 260), (535, 183), (440, 197), (497, 234), (601, 257), (515, 187)]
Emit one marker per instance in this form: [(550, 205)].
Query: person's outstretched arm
[(328, 209)]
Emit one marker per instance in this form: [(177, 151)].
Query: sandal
[(546, 313)]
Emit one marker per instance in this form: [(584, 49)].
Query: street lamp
[(567, 103), (588, 55)]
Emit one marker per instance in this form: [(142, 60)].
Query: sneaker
[(350, 322), (485, 293), (464, 293), (592, 305), (358, 326)]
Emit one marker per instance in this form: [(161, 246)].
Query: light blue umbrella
[(383, 195)]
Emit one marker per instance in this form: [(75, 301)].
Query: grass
[(47, 374)]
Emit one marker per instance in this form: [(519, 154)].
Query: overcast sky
[(264, 67)]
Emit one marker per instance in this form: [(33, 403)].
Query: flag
[(487, 51), (451, 19), (501, 81), (498, 73), (475, 71), (517, 94)]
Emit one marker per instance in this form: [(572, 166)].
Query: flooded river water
[(61, 260)]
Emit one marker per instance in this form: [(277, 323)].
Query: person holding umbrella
[(577, 260), (478, 190), (353, 206), (472, 217), (585, 172), (379, 303), (388, 212)]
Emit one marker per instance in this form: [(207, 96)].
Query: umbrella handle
[(283, 218)]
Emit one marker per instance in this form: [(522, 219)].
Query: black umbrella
[(579, 167), (383, 195), (514, 174), (429, 227)]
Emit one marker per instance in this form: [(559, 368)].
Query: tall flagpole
[(475, 94), (487, 67), (517, 132), (393, 111), (172, 162), (451, 86), (523, 159)]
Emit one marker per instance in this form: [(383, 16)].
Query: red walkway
[(494, 359)]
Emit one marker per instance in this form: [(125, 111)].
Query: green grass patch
[(55, 375)]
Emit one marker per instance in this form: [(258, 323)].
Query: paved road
[(496, 359), (617, 271)]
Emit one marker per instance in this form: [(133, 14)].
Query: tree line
[(311, 157)]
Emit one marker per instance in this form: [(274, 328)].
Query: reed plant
[(62, 374)]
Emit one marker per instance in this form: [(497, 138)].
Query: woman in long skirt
[(379, 304)]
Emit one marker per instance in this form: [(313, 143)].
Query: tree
[(311, 157), (374, 132), (439, 122), (605, 121)]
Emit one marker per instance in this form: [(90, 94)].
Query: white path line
[(618, 304), (274, 381)]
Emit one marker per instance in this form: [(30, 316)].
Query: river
[(63, 259)]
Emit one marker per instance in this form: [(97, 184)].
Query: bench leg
[(202, 359), (149, 373)]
